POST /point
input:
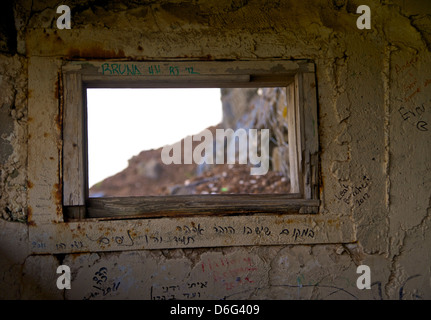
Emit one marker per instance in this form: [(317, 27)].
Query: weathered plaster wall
[(374, 91), (13, 137)]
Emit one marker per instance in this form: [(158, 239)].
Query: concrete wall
[(374, 95)]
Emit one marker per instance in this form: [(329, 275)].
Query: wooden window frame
[(298, 77)]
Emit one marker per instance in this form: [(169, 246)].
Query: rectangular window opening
[(204, 141)]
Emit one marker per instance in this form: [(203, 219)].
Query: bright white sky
[(124, 122)]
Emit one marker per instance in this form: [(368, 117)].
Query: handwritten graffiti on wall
[(412, 112), (338, 291), (132, 69), (102, 285), (182, 291), (414, 116), (300, 289), (230, 272), (359, 193), (222, 274), (233, 276), (185, 236)]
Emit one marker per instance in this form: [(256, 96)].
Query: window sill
[(197, 205)]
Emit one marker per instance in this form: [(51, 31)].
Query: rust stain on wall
[(30, 221), (30, 184), (59, 122), (56, 87), (57, 193), (59, 96), (95, 53)]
